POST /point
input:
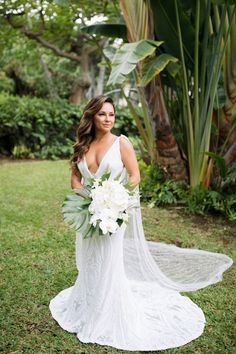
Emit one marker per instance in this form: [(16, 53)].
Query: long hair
[(86, 129)]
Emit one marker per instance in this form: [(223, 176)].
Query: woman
[(127, 291)]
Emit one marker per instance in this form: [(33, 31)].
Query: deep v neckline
[(85, 161)]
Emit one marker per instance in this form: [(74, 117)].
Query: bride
[(127, 293)]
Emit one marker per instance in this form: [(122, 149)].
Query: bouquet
[(100, 207)]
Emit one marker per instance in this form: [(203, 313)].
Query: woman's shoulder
[(125, 144), (124, 139)]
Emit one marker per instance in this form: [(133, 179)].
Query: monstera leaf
[(76, 214)]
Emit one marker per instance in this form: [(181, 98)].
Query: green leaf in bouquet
[(106, 174), (75, 211), (74, 218), (89, 232), (89, 183), (75, 202), (118, 177), (83, 192), (120, 222), (84, 223), (128, 185)]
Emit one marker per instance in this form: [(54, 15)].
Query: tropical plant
[(201, 36), (158, 190), (125, 62), (151, 116)]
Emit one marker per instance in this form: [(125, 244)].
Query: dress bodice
[(111, 160)]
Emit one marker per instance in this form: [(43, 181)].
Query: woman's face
[(105, 118)]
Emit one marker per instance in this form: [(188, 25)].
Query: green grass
[(38, 260)]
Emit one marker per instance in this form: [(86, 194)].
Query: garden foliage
[(39, 128), (157, 189)]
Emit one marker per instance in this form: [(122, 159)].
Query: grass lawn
[(38, 261)]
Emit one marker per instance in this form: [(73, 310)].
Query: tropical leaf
[(166, 27), (220, 97), (75, 210), (127, 57), (75, 219), (83, 192), (113, 30), (154, 66), (83, 226), (220, 162), (91, 231), (222, 2), (173, 68), (75, 201)]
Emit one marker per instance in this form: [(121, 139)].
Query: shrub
[(34, 127), (39, 128), (158, 190)]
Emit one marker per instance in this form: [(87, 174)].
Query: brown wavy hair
[(86, 130)]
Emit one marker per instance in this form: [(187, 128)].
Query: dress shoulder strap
[(126, 138)]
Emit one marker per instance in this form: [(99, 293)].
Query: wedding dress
[(127, 291)]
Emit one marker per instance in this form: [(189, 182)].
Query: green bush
[(34, 127), (6, 84), (156, 189), (39, 128)]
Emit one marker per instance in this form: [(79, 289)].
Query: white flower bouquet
[(100, 207)]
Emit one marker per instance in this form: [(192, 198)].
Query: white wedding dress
[(127, 292)]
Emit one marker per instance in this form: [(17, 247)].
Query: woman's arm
[(130, 161), (76, 178)]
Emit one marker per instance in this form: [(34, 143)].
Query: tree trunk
[(230, 155), (100, 80), (168, 150), (228, 131), (82, 84), (48, 78)]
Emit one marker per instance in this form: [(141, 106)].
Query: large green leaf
[(75, 212), (166, 27), (220, 162), (154, 66), (113, 30), (83, 192), (127, 57), (220, 97), (222, 2)]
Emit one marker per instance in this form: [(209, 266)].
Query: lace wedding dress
[(127, 292)]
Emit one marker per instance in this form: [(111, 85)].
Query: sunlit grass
[(38, 260)]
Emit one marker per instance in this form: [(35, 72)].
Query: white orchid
[(103, 204), (108, 225), (109, 204)]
